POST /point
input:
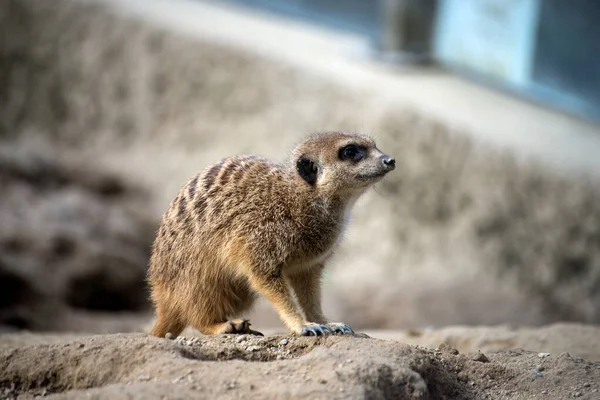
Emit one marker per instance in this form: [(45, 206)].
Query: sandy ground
[(576, 339), (136, 366)]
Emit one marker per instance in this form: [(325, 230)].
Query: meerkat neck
[(309, 200)]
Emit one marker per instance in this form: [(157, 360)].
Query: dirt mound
[(229, 366), (69, 239), (577, 339)]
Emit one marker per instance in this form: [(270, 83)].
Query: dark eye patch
[(307, 170), (352, 152)]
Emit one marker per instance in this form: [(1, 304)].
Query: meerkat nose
[(388, 162)]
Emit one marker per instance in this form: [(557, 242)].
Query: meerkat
[(246, 226)]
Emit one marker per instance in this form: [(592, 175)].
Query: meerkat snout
[(246, 226), (388, 163)]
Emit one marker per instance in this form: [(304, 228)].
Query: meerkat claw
[(252, 331), (315, 330), (341, 328), (241, 326), (312, 331)]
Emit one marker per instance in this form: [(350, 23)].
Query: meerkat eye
[(352, 152)]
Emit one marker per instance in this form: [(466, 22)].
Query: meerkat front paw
[(312, 329), (340, 327)]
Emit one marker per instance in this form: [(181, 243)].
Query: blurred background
[(491, 108)]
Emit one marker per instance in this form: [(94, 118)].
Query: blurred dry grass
[(460, 233)]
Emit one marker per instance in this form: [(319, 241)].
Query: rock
[(283, 342), (480, 357), (445, 348), (543, 355)]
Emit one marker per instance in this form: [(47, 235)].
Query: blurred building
[(544, 50)]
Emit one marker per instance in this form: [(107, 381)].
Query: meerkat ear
[(307, 169)]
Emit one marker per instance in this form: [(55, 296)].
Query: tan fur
[(246, 226)]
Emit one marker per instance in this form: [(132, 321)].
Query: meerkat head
[(340, 163)]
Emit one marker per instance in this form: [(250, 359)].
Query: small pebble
[(447, 349), (543, 355), (169, 336), (537, 372), (480, 357), (241, 339), (540, 368), (252, 348), (231, 385), (577, 394), (283, 342)]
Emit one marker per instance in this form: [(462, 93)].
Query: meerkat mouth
[(372, 177)]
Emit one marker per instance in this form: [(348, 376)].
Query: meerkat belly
[(301, 264)]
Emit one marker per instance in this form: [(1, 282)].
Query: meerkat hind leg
[(236, 326), (167, 325)]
